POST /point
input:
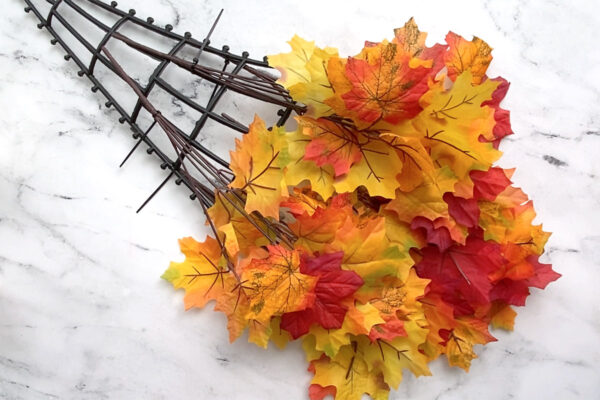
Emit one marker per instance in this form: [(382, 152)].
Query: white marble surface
[(83, 312)]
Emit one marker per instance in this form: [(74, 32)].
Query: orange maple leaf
[(383, 86), (463, 55)]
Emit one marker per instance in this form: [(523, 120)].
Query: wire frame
[(181, 150)]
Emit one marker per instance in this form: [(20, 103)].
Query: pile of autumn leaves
[(407, 243)]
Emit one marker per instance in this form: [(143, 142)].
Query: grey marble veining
[(83, 313)]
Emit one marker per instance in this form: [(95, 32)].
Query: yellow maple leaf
[(452, 123), (240, 234), (299, 170), (261, 333), (358, 158), (368, 252), (504, 317), (349, 373), (392, 356), (377, 171), (257, 163), (276, 286), (467, 333), (426, 200), (395, 298), (399, 233), (304, 74)]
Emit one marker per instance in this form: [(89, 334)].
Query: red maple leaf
[(434, 234), (464, 211), (543, 273), (461, 273), (489, 184), (501, 116), (388, 331), (333, 286)]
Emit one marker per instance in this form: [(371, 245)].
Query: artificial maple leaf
[(543, 274), (332, 286), (315, 231), (392, 356), (461, 273), (293, 65), (357, 157), (410, 38), (348, 372), (399, 233), (509, 218), (489, 184), (502, 127), (276, 286), (464, 211), (389, 330), (359, 320), (241, 234), (452, 123), (300, 170), (234, 304), (436, 232), (413, 42), (318, 392), (304, 74), (416, 162), (521, 271), (377, 171), (426, 200), (257, 163), (261, 333), (203, 274), (464, 55), (332, 144), (383, 86), (503, 316), (368, 252), (460, 341), (302, 201), (509, 291), (440, 320), (397, 302)]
